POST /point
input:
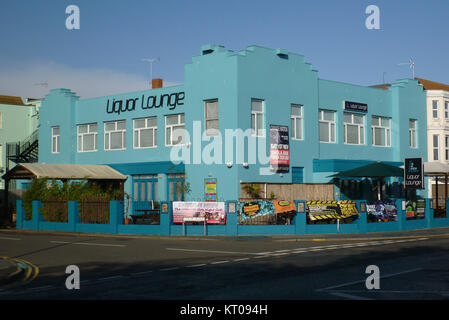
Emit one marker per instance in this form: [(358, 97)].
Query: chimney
[(156, 83)]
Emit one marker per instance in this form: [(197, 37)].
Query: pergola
[(64, 172)]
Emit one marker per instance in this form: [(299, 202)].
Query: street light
[(151, 67)]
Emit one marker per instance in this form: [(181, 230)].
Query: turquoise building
[(217, 124)]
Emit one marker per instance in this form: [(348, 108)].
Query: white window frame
[(108, 134), (446, 109), (138, 131), (330, 123), (80, 147), (55, 140), (436, 147), (446, 147), (435, 109), (360, 128), (256, 131), (172, 127), (413, 143), (1, 120), (295, 119), (387, 131), (211, 132)]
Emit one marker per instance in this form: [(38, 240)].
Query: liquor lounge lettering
[(169, 100), (330, 210)]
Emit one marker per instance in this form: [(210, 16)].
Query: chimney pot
[(156, 83)]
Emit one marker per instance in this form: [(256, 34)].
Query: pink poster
[(214, 212)]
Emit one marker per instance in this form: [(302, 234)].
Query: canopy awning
[(436, 169), (63, 171), (374, 170)]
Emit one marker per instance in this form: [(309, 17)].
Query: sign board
[(356, 106), (414, 173), (279, 149), (210, 190), (213, 212), (331, 209)]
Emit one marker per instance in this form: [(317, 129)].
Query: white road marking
[(197, 265), (90, 244), (212, 251), (111, 278), (241, 259), (169, 269), (219, 262), (8, 238), (362, 281), (348, 296), (141, 273), (40, 288)]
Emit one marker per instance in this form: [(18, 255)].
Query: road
[(412, 265)]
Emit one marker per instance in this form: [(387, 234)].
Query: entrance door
[(145, 195)]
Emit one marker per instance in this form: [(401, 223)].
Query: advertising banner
[(415, 209), (254, 209), (414, 173), (381, 212), (214, 212), (279, 149), (322, 210), (210, 192), (283, 206)]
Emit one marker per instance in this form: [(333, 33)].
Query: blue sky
[(104, 56)]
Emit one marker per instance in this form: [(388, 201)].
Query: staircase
[(25, 151)]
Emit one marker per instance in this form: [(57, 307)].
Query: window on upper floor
[(55, 139), (446, 147), (1, 120), (412, 125), (257, 118), (145, 133), (327, 126), (446, 109), (381, 131), (87, 137), (354, 128), (434, 109), (115, 135), (296, 122), (211, 117), (174, 129), (436, 139)]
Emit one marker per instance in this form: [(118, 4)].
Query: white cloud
[(27, 80)]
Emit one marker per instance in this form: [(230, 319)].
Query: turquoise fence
[(298, 226)]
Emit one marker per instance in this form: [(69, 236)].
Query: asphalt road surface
[(412, 265)]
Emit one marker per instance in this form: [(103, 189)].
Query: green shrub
[(50, 190)]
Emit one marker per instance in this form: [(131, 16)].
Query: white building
[(437, 126)]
